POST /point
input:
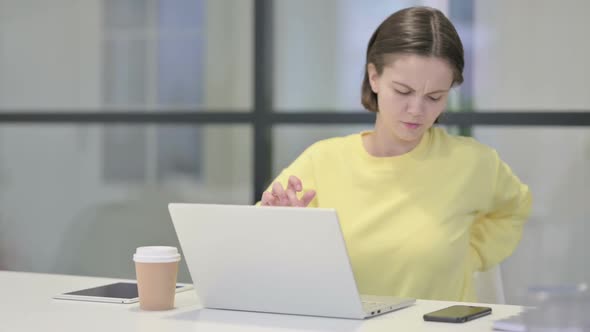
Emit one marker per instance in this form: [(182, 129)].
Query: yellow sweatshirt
[(421, 223)]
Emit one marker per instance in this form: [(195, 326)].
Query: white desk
[(26, 305)]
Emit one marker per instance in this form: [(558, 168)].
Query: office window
[(320, 49), (153, 59), (555, 163), (53, 195)]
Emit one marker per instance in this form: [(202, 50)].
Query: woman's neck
[(381, 143)]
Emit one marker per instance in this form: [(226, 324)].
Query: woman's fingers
[(279, 193), (294, 184), (267, 199), (307, 197), (280, 196), (293, 200)]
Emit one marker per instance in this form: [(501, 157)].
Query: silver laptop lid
[(268, 259)]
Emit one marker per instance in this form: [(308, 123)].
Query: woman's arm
[(495, 234)]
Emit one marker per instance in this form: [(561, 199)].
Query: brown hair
[(415, 30)]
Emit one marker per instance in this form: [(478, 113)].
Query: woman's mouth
[(411, 125)]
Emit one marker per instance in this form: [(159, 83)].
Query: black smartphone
[(457, 314)]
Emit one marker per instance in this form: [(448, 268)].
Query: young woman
[(421, 210)]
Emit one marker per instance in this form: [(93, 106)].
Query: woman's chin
[(407, 136)]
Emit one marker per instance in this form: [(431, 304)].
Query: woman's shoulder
[(333, 144), (468, 146)]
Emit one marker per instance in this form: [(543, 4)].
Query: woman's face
[(411, 93)]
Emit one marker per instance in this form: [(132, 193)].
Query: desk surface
[(26, 305)]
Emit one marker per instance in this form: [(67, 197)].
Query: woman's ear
[(373, 77)]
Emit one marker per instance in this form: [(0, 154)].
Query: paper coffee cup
[(156, 269)]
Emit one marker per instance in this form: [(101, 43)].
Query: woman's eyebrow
[(429, 93)]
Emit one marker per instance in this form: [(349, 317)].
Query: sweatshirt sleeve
[(497, 232)]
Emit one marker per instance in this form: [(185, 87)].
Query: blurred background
[(111, 109)]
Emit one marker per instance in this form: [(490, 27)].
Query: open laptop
[(272, 259)]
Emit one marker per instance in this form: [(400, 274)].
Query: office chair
[(489, 286)]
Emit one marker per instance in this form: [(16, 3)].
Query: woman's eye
[(434, 98), (402, 92)]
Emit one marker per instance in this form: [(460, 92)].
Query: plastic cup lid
[(156, 254)]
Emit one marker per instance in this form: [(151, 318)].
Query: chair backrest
[(103, 238), (489, 287)]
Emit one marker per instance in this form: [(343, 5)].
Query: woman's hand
[(281, 197)]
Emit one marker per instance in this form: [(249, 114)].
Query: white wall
[(533, 55)]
